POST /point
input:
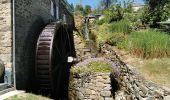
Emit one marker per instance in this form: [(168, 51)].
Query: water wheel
[(52, 68)]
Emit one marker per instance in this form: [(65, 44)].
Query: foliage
[(156, 11), (87, 9), (112, 33), (72, 6), (147, 44), (102, 21), (114, 13), (117, 12), (121, 26), (79, 10), (107, 3), (93, 67)]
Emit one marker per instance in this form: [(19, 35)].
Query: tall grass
[(111, 33), (148, 44), (122, 26)]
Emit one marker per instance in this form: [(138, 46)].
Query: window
[(64, 18), (52, 8), (57, 12)]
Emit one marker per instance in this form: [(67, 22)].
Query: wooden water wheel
[(52, 68)]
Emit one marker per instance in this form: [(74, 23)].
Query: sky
[(94, 3)]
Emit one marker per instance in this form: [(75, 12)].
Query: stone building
[(21, 22)]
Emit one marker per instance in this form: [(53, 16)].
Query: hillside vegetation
[(138, 34)]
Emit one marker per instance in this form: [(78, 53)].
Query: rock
[(107, 81), (108, 88), (100, 98), (144, 99), (123, 84), (105, 93), (142, 94), (167, 98), (136, 88), (129, 97), (144, 89), (99, 84), (106, 76), (87, 91), (80, 96), (150, 98), (99, 78), (93, 92), (108, 98)]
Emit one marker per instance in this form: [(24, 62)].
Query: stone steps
[(3, 86)]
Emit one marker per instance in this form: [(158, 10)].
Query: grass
[(112, 33), (147, 44), (122, 26), (156, 70), (27, 96), (93, 67), (105, 35)]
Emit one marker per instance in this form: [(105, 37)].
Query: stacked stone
[(133, 86), (80, 46), (96, 86), (5, 32)]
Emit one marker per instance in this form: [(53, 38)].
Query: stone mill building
[(21, 22)]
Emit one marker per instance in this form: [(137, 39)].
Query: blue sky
[(94, 3)]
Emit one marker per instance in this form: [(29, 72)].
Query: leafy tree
[(79, 9), (72, 6), (117, 12), (128, 6), (87, 9), (156, 11), (107, 3)]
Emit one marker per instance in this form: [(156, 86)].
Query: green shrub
[(102, 21), (114, 38), (104, 34), (122, 26), (147, 44)]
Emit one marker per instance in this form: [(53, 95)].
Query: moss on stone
[(93, 67)]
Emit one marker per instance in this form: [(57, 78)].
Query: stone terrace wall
[(132, 85), (91, 87), (31, 16), (5, 32)]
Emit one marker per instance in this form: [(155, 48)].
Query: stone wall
[(31, 16), (96, 86), (126, 82), (132, 85), (5, 33)]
